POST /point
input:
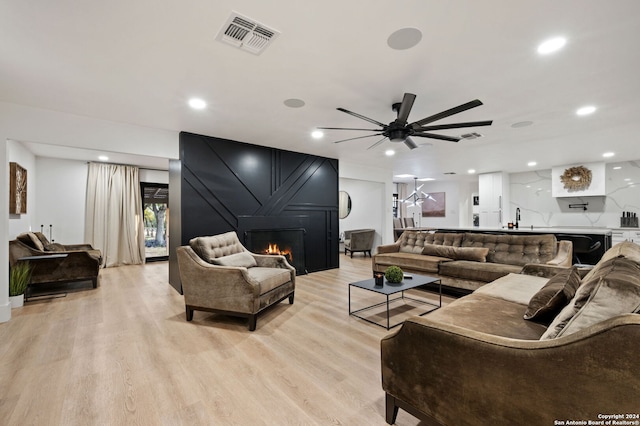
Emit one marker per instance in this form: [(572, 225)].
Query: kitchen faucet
[(517, 217)]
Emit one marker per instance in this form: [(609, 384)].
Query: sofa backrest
[(514, 249), (212, 247), (625, 249), (414, 241)]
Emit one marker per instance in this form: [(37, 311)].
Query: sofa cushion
[(477, 271), (488, 314), (517, 288), (613, 290), (30, 239), (242, 259), (269, 278), (549, 301), (514, 249), (409, 261), (626, 248), (478, 254)]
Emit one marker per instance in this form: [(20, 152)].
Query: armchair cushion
[(269, 278), (242, 259)]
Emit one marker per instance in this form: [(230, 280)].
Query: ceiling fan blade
[(434, 136), (377, 143), (362, 117), (447, 113), (405, 107), (359, 137), (348, 128), (454, 125), (411, 144)]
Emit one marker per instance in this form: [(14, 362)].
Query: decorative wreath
[(576, 178)]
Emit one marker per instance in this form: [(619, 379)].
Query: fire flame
[(274, 249)]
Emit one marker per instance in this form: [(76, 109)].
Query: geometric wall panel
[(233, 186)]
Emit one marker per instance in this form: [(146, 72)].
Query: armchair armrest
[(565, 254), (274, 261), (450, 373)]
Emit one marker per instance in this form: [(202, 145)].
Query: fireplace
[(286, 242)]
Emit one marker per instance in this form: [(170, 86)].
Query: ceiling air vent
[(246, 34), (472, 135)]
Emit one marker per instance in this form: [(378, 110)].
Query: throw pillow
[(36, 241), (242, 259), (614, 290), (550, 299), (478, 254)]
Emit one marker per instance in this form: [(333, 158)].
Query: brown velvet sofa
[(81, 262), (465, 261), (477, 361)]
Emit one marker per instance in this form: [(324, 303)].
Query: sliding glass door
[(155, 209)]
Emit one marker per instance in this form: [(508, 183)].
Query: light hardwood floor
[(124, 354)]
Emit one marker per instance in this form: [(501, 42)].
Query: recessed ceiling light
[(532, 163), (317, 134), (197, 103), (426, 179), (389, 152), (403, 176), (103, 158), (294, 103), (551, 45), (608, 154), (404, 38), (617, 167), (586, 110), (471, 171)]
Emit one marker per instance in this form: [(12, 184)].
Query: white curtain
[(114, 213), (403, 192)]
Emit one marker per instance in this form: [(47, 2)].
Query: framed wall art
[(434, 205), (17, 189)]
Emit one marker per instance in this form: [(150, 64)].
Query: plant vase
[(16, 301)]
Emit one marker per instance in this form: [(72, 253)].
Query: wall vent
[(472, 135), (246, 34)]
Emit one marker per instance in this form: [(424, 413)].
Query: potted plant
[(393, 274), (19, 278)]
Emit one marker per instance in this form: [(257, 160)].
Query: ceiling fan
[(401, 131)]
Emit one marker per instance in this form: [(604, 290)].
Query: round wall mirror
[(344, 204)]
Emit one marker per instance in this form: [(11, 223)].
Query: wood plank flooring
[(123, 354)]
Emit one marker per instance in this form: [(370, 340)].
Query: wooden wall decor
[(17, 189)]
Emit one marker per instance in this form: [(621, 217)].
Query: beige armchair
[(220, 275), (359, 240)]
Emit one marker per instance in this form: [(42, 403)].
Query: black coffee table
[(389, 289)]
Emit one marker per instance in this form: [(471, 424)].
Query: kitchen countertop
[(537, 230)]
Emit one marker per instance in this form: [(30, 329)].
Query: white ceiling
[(140, 61)]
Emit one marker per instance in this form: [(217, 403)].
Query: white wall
[(458, 201), (378, 198), (154, 176), (61, 198), (363, 215), (23, 222), (531, 191), (24, 123)]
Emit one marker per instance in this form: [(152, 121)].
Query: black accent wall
[(226, 185)]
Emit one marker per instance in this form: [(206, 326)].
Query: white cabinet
[(618, 235), (494, 199)]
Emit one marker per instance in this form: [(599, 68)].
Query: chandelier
[(417, 197)]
